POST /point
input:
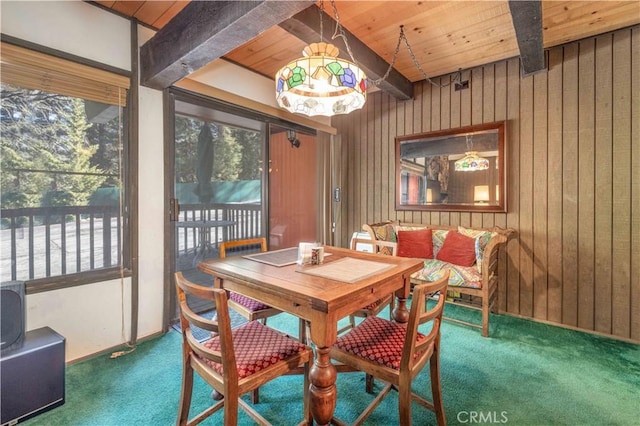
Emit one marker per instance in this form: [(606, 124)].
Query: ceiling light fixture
[(320, 83), (471, 161)]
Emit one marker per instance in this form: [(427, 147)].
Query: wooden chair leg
[(303, 332), (436, 387), (185, 394), (392, 307), (369, 380), (307, 403), (255, 396), (231, 406), (404, 402), (495, 303), (485, 317)]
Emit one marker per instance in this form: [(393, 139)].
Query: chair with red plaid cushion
[(373, 309), (247, 307), (395, 353), (383, 248), (250, 308), (234, 362)]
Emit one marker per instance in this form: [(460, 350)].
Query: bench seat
[(478, 281)]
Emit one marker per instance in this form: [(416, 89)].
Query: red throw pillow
[(416, 243), (458, 249)]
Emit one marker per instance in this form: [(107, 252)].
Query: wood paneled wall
[(573, 156)]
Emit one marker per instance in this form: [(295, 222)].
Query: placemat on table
[(283, 257), (347, 269)]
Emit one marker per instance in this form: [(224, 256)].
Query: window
[(62, 168)]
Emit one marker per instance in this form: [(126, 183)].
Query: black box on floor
[(32, 376)]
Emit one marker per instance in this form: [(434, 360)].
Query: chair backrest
[(415, 354), (222, 325), (250, 245), (379, 246)]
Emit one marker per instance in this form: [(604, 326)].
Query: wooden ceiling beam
[(306, 26), (204, 31), (527, 21)]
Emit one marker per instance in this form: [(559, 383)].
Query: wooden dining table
[(322, 295)]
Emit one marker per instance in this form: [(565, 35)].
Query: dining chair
[(249, 308), (236, 361), (395, 353), (374, 308)]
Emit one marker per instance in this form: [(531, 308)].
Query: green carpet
[(525, 374)]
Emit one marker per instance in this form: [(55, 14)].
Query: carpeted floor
[(525, 374)]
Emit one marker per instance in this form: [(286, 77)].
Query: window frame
[(129, 174)]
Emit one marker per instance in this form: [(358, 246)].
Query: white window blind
[(35, 70)]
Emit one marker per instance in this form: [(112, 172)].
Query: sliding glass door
[(235, 175), (217, 186)]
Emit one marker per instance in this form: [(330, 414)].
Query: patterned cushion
[(482, 239), (460, 276), (247, 302), (385, 233), (439, 235), (377, 340), (256, 347)]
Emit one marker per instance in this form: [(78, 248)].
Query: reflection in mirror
[(456, 170)]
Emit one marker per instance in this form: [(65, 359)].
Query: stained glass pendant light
[(471, 162), (320, 83)]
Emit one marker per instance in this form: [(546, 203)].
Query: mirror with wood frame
[(461, 169)]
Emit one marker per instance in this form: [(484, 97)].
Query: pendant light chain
[(321, 23), (419, 68), (339, 32), (393, 60)]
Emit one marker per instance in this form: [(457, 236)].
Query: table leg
[(401, 313), (322, 390)]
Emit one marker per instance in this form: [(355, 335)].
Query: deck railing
[(246, 220), (52, 241)]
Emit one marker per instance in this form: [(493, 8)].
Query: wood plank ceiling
[(444, 35)]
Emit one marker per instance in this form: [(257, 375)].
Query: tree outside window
[(60, 184)]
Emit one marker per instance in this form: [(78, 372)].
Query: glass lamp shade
[(320, 83), (481, 193), (471, 162), (429, 195)]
